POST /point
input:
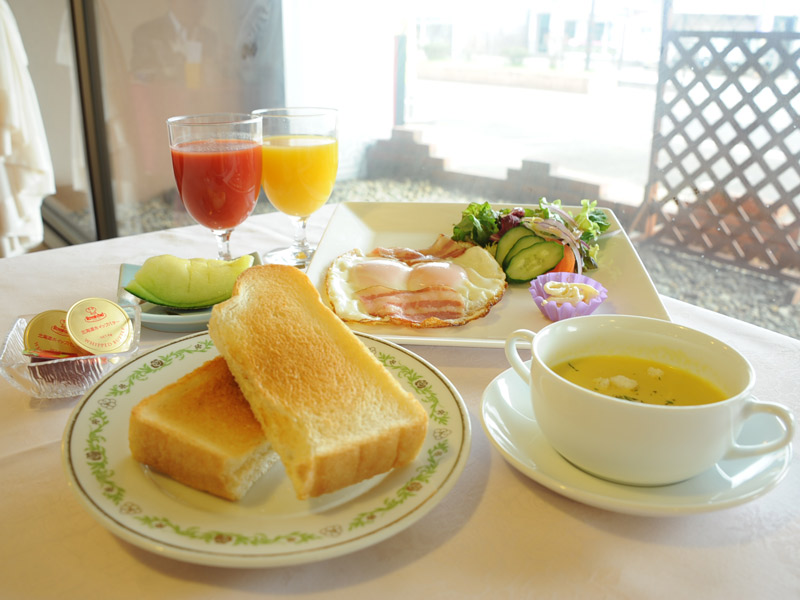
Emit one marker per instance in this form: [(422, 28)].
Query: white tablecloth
[(497, 534)]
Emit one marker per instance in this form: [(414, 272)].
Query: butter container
[(70, 376), (98, 326), (46, 336)]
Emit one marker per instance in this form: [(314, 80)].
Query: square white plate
[(367, 225)]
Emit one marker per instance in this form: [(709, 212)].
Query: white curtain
[(26, 170)]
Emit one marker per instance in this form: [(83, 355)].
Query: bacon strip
[(438, 301), (404, 255), (443, 247)]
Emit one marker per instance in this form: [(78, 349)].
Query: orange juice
[(299, 172)]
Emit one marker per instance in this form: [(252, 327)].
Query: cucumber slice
[(532, 262), (524, 242), (508, 240)]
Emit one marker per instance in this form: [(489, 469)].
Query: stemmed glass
[(300, 159), (216, 159)]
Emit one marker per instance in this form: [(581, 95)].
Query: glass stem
[(223, 243), (302, 251)]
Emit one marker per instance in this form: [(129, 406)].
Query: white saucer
[(509, 421)]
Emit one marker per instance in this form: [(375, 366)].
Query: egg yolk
[(399, 276), (384, 272), (435, 273)]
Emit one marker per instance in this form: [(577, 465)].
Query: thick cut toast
[(332, 412), (201, 431)]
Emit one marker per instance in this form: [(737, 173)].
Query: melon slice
[(187, 283)]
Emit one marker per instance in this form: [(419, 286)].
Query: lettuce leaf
[(478, 223), (592, 221)]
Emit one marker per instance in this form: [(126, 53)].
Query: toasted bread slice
[(201, 432), (332, 412)]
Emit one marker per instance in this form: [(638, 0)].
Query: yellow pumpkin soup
[(639, 380)]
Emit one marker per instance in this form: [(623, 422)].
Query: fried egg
[(415, 292)]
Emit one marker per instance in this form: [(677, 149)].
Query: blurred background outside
[(681, 116)]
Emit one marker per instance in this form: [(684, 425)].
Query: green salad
[(527, 242)]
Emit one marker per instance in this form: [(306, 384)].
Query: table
[(497, 534)]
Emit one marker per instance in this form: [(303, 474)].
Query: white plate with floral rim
[(269, 526)]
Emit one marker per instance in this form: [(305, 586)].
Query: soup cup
[(632, 442)]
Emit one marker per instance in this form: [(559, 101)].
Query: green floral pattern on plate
[(98, 462), (148, 368)]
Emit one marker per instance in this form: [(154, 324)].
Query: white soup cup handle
[(512, 355), (754, 407)]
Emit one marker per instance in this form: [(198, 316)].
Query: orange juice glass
[(299, 171), (300, 158)]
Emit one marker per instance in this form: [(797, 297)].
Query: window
[(449, 99)]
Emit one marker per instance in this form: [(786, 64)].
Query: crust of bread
[(331, 410), (201, 431)]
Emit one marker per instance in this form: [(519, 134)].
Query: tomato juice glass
[(217, 163), (300, 160)]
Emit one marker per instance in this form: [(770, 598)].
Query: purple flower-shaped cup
[(556, 311)]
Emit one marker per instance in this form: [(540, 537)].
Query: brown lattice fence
[(724, 174)]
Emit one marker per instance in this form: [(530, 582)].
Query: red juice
[(218, 180)]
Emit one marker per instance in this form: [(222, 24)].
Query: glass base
[(287, 256)]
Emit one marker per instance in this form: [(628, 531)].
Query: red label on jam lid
[(48, 354)]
